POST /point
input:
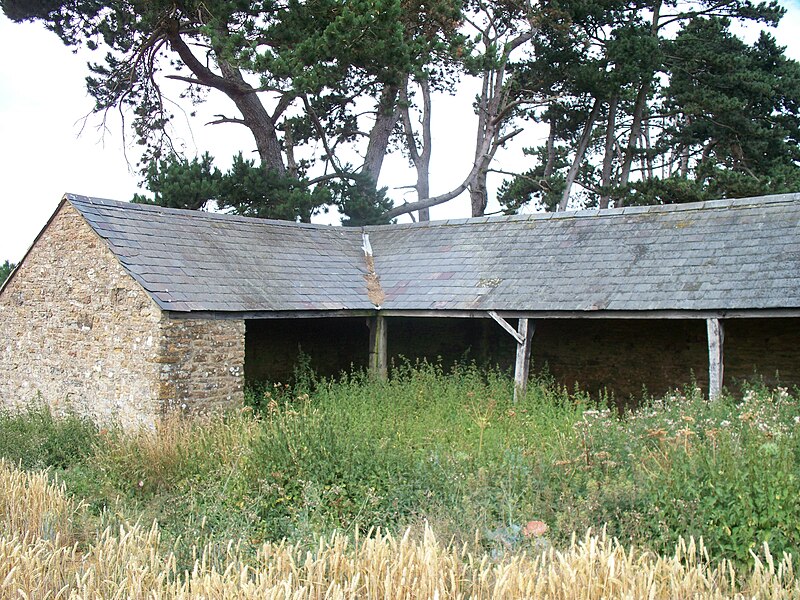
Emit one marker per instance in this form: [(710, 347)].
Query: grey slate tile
[(733, 253)]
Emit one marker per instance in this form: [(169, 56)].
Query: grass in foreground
[(38, 559), (449, 450)]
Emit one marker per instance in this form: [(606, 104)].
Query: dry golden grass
[(39, 560), (32, 506)]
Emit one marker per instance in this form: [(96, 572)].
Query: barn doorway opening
[(276, 348)]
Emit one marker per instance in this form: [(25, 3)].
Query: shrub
[(725, 470), (35, 438)]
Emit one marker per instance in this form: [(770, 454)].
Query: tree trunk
[(579, 154), (638, 114), (488, 107), (385, 120), (421, 157), (684, 168), (477, 189), (424, 162), (608, 156), (551, 149), (290, 157), (423, 191), (257, 120), (478, 195), (493, 107), (636, 130), (254, 116), (647, 146)]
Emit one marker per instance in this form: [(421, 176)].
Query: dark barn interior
[(621, 357)]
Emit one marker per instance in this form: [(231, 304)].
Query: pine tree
[(5, 271)]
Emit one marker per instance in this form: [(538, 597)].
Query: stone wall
[(202, 364), (77, 332)]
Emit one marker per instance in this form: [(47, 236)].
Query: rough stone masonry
[(78, 333)]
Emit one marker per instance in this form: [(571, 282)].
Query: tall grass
[(132, 563), (452, 451)]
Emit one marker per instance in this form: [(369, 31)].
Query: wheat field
[(46, 553)]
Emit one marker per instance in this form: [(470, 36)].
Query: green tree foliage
[(302, 76), (180, 183), (732, 115), (246, 189), (645, 101), (5, 271), (659, 102), (253, 191), (361, 201)]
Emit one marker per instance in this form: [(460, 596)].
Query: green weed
[(35, 438), (449, 448)]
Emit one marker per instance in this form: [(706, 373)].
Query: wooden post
[(523, 363), (716, 337), (377, 347)]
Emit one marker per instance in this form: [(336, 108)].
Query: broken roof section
[(718, 256)]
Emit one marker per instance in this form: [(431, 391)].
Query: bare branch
[(329, 155), (191, 80), (203, 73), (330, 176), (284, 103), (411, 143), (502, 140), (224, 119), (441, 199)]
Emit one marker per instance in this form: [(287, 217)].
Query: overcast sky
[(49, 147)]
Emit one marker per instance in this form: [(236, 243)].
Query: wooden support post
[(522, 367), (716, 337), (377, 347)]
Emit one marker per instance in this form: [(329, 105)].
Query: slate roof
[(198, 261), (720, 256)]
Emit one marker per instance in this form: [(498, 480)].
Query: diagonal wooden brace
[(523, 336)]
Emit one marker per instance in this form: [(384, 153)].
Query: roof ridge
[(77, 200), (752, 201)]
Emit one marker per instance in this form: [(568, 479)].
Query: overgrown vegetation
[(39, 559), (450, 450)]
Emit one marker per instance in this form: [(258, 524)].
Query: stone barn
[(124, 311)]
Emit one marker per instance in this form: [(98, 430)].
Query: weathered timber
[(523, 336), (377, 347), (599, 314), (716, 338), (505, 325), (522, 366)]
